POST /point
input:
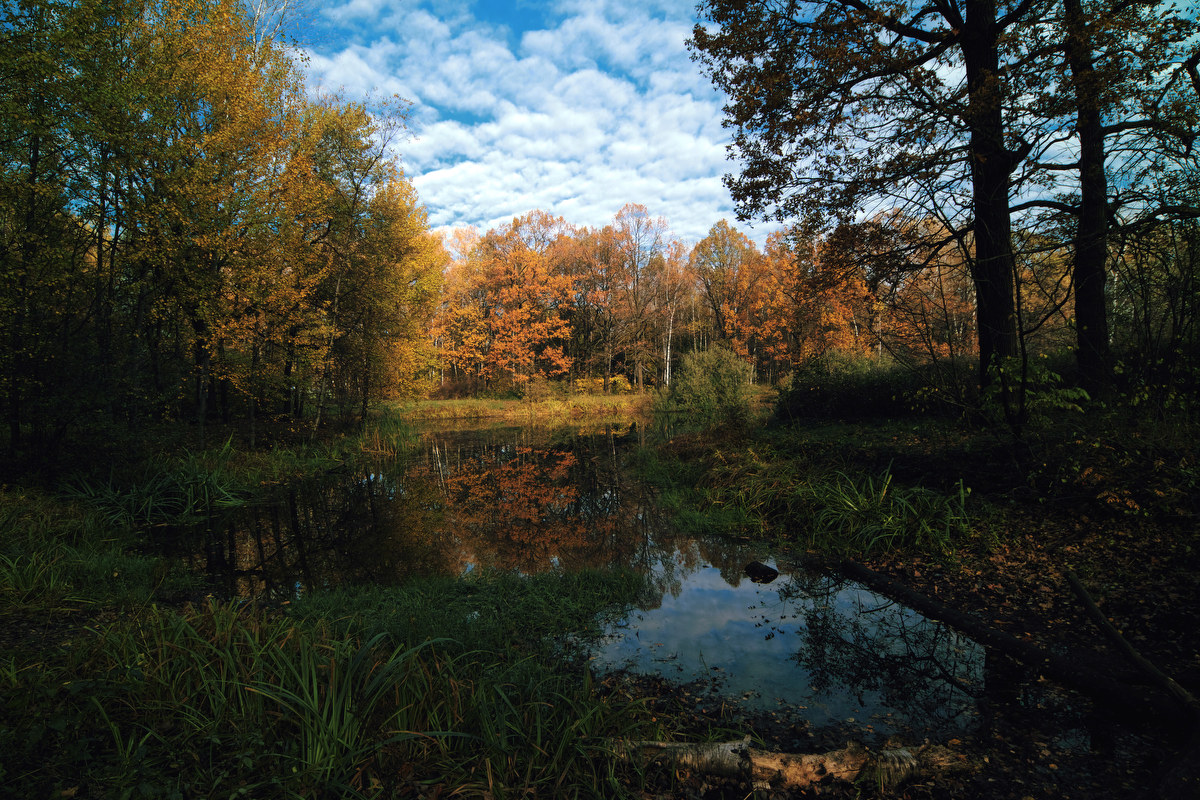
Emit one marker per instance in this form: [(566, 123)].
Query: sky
[(574, 107)]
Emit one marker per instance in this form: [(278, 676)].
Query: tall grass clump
[(845, 512), (511, 676), (215, 701), (478, 686), (168, 490), (56, 555), (386, 434)]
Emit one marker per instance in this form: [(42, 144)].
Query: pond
[(526, 500)]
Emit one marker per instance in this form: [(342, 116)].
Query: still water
[(526, 500)]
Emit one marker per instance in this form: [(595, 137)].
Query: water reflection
[(806, 641), (523, 501), (506, 498)]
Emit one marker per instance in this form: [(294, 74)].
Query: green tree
[(712, 388)]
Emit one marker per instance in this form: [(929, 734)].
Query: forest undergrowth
[(990, 523)]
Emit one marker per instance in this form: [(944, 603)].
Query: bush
[(849, 387), (617, 384), (713, 388)]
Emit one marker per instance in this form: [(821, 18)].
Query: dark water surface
[(515, 499)]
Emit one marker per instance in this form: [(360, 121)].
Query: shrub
[(842, 386), (713, 388), (617, 384)]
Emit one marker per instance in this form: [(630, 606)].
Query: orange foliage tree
[(528, 298), (824, 302)]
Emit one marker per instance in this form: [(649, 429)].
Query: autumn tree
[(733, 279), (388, 307), (178, 221), (1120, 83), (843, 105), (674, 289), (822, 297), (460, 330), (528, 298), (596, 268), (639, 245)]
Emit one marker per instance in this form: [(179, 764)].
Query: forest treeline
[(187, 233)]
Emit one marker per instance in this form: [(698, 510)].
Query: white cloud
[(600, 108)]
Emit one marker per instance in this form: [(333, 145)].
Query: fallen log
[(767, 769), (1182, 778), (1126, 701), (1164, 681)]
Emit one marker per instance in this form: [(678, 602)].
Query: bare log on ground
[(797, 770), (1182, 778), (1129, 702), (1164, 681)]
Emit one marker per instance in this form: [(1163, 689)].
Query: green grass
[(870, 513), (475, 685), (802, 490)]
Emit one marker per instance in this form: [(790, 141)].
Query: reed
[(622, 408), (484, 693), (871, 513)]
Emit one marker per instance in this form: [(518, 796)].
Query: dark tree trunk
[(991, 165), (1091, 233)]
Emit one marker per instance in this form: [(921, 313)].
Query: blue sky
[(575, 107)]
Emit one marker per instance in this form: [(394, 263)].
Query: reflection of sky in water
[(756, 645), (501, 499)]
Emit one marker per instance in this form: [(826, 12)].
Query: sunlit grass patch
[(549, 411)]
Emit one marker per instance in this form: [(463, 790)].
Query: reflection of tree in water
[(514, 505), (510, 499), (368, 529), (860, 642), (517, 501)]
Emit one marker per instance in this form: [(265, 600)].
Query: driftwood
[(1126, 701), (795, 770)]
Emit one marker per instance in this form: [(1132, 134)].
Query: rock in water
[(760, 572)]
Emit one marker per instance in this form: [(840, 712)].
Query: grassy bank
[(543, 412), (114, 687), (776, 485)]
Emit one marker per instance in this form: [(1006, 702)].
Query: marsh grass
[(477, 685), (188, 487), (870, 513), (544, 412), (54, 553), (277, 706), (753, 489)]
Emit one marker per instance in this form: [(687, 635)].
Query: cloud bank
[(575, 108)]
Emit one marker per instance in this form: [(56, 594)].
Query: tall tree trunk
[(325, 365), (667, 349), (1091, 233), (203, 362), (991, 165)]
